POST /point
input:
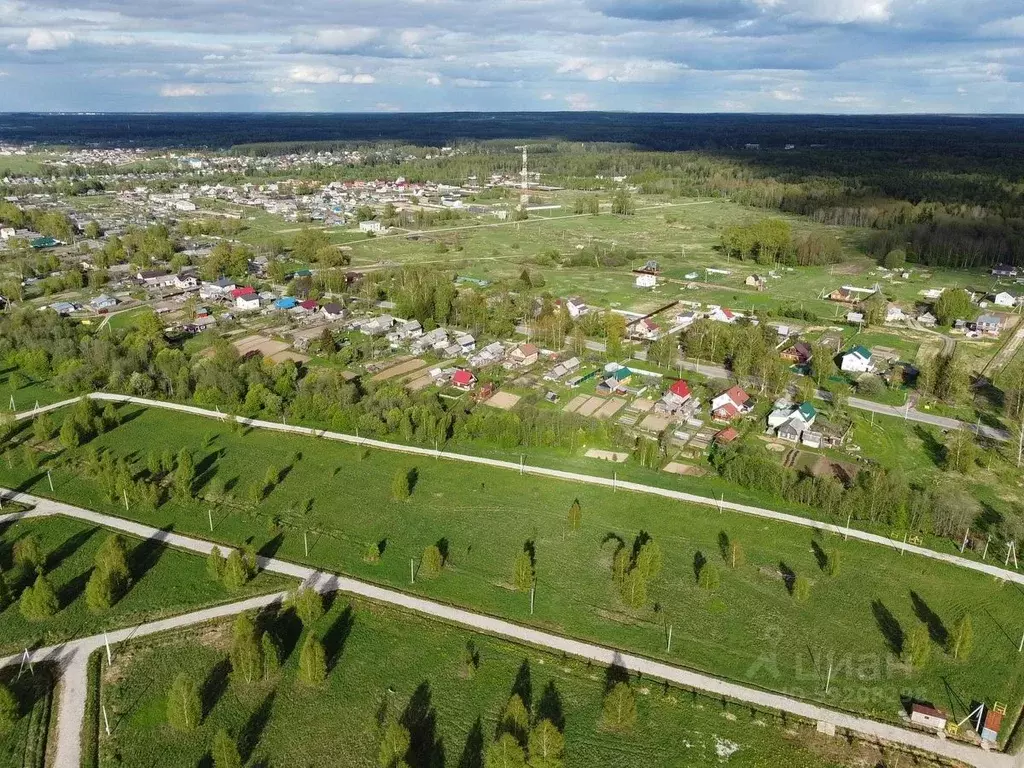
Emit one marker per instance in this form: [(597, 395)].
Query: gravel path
[(72, 656)]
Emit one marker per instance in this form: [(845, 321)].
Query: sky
[(792, 56)]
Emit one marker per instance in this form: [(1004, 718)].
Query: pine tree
[(962, 639), (801, 589), (523, 571), (99, 591), (246, 650), (184, 475), (393, 744), (736, 554), (70, 432), (575, 515), (515, 719), (619, 710), (28, 554), (634, 589), (431, 563), (918, 647), (400, 486), (308, 604), (39, 602), (505, 752), (184, 708), (649, 560), (708, 577), (225, 751), (312, 661), (271, 655), (236, 572), (112, 557), (215, 564), (546, 745)]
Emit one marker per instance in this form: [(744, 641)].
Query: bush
[(309, 605), (312, 662), (39, 602), (184, 708), (401, 485), (619, 710), (431, 563)]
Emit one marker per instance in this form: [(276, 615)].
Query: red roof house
[(726, 436), (680, 388), (247, 291), (309, 305), (463, 379)]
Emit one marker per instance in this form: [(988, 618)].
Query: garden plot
[(610, 408), (618, 458), (655, 422), (591, 406), (404, 367), (506, 401), (276, 351), (574, 405)]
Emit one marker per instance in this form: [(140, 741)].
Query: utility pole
[(828, 680), (106, 642), (125, 492), (668, 649), (209, 514), (48, 477), (533, 591), (106, 720), (412, 570)]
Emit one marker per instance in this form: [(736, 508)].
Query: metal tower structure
[(524, 194)]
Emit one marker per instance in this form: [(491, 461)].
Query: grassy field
[(26, 396), (165, 582), (128, 318), (451, 714), (25, 745), (750, 629)]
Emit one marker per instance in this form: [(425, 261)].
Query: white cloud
[(469, 82), (787, 94), (338, 40), (305, 73), (579, 102), (48, 39), (548, 97), (183, 91), (627, 71), (434, 80), (213, 57), (851, 100)]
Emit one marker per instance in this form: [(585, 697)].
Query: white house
[(857, 360), (185, 282), (576, 308), (247, 301), (217, 288), (894, 314), (370, 226), (927, 319), (645, 280), (1004, 299), (722, 315)]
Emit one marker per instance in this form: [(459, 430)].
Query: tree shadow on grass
[(473, 751), (70, 546), (73, 589), (699, 561), (723, 545), (522, 686), (788, 576), (936, 629), (214, 686), (426, 748), (253, 729), (889, 626), (933, 448), (550, 706), (614, 675), (146, 555), (820, 557), (271, 547), (334, 639), (287, 628)]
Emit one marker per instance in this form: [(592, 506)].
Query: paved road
[(72, 656)]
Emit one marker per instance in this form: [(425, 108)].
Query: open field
[(750, 629), (451, 713), (26, 395), (25, 745), (164, 582)]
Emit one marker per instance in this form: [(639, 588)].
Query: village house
[(1004, 270), (489, 355), (370, 226), (103, 302), (333, 311), (927, 319), (857, 360), (576, 308), (726, 436), (1004, 299), (990, 324), (731, 403), (410, 329), (723, 315), (855, 318), (464, 380), (645, 280), (894, 314), (563, 369), (990, 726), (466, 342), (791, 423), (675, 398), (646, 329), (378, 325), (436, 339), (185, 282), (616, 382), (843, 296), (524, 355), (246, 298), (156, 278), (217, 289), (798, 354), (756, 281), (685, 319)]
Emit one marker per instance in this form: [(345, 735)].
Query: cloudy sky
[(432, 55)]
